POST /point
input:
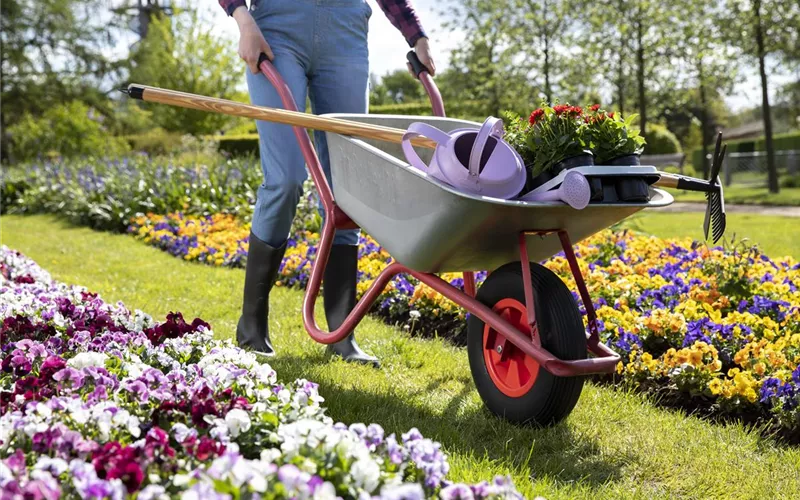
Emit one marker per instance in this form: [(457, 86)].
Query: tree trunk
[(547, 91), (703, 116), (546, 37), (640, 74), (772, 171), (621, 79)]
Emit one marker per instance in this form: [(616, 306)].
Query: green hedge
[(244, 144), (465, 110), (660, 141), (782, 142), (239, 145)]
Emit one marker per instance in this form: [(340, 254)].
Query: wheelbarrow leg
[(339, 298)]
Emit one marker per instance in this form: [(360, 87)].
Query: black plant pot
[(630, 189), (585, 159), (631, 159)]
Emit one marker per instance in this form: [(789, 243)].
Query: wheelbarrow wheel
[(512, 384)]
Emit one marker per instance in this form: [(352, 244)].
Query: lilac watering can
[(475, 161)]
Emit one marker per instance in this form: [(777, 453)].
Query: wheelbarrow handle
[(421, 71)]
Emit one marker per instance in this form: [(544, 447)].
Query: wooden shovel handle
[(295, 118)]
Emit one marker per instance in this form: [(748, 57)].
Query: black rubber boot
[(339, 297), (263, 263)]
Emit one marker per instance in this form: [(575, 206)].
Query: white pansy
[(153, 492), (265, 373), (5, 473), (366, 473), (325, 491), (238, 421), (86, 359), (182, 432), (43, 410), (56, 465), (284, 396), (270, 455)]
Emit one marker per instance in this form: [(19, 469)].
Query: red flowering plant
[(551, 134), (610, 136)]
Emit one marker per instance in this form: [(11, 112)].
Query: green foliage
[(612, 136), (181, 53), (661, 141), (465, 110), (791, 181), (154, 142), (69, 129), (516, 134), (105, 194), (53, 51), (401, 87)]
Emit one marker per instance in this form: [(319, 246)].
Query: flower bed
[(709, 327), (101, 402)]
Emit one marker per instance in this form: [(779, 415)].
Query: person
[(319, 47)]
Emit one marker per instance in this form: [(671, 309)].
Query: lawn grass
[(614, 445), (746, 195), (777, 236)]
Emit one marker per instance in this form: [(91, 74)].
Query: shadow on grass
[(557, 452)]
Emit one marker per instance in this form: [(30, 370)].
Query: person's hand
[(251, 40), (423, 50)]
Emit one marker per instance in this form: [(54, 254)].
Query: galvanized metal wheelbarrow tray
[(430, 227)]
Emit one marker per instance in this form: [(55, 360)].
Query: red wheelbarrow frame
[(606, 359)]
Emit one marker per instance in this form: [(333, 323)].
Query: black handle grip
[(690, 184), (416, 64), (261, 58)]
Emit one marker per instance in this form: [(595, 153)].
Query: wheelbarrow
[(529, 351)]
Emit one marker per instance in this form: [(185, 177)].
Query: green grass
[(746, 195), (775, 235), (614, 445)]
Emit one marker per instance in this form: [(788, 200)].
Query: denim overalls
[(320, 49)]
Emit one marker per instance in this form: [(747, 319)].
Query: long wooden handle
[(295, 118)]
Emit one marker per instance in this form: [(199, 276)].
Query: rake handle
[(680, 182), (295, 118), (327, 124)]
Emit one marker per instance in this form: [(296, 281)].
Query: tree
[(486, 66), (765, 29), (54, 51), (545, 28), (400, 87), (179, 53), (632, 42), (710, 66)]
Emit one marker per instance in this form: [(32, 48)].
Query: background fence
[(750, 168)]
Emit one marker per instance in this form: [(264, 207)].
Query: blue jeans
[(320, 49)]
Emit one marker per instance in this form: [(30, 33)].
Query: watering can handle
[(421, 129), (491, 127)]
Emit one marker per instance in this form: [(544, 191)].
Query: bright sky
[(388, 48)]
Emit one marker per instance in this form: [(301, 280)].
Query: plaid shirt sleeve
[(402, 15), (231, 5)]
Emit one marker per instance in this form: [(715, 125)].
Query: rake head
[(715, 209)]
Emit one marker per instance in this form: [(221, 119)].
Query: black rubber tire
[(561, 329)]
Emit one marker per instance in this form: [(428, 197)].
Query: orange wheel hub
[(512, 371)]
